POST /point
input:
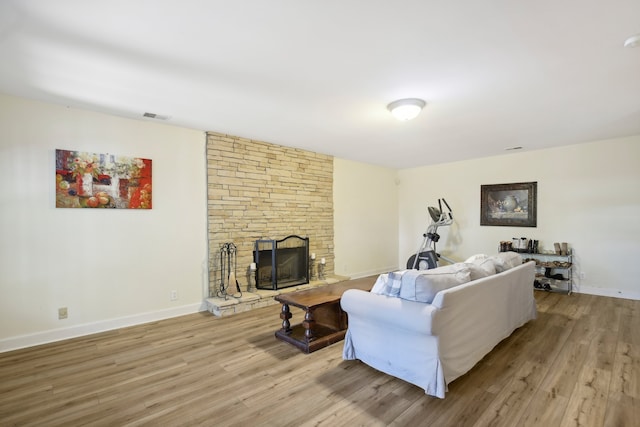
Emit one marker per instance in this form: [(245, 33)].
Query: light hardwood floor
[(578, 364)]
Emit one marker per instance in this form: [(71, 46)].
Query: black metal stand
[(228, 253)]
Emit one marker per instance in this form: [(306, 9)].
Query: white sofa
[(432, 344)]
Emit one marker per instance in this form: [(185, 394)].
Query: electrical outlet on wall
[(62, 313), (173, 295)]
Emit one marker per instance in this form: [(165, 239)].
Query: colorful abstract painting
[(88, 180)]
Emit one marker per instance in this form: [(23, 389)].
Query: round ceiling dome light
[(633, 41), (406, 109)]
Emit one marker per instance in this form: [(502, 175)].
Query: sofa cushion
[(381, 282), (393, 283), (503, 261), (485, 262), (423, 285), (388, 283), (477, 272)]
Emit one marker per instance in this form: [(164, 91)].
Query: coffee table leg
[(285, 315), (308, 324)]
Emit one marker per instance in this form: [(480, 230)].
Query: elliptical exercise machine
[(426, 257)]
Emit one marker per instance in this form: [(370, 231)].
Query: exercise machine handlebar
[(426, 253)]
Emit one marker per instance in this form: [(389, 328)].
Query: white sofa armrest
[(389, 311)]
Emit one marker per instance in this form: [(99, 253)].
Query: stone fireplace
[(262, 191)]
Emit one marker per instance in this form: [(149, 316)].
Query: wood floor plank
[(357, 400), (561, 380), (587, 404), (622, 412), (422, 411), (511, 402), (625, 380), (465, 408), (578, 363), (546, 408)]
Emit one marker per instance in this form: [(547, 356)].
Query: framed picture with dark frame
[(511, 205)]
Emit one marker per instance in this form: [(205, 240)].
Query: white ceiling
[(318, 75)]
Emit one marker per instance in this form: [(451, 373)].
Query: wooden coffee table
[(324, 321)]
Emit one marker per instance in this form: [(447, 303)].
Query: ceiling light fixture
[(406, 109), (633, 41)]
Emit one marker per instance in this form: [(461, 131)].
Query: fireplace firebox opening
[(281, 263)]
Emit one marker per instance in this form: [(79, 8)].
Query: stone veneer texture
[(258, 190)]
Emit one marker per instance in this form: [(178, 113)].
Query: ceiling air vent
[(155, 116)]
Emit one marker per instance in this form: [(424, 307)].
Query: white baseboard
[(606, 292), (45, 337)]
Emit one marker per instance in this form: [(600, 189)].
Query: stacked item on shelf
[(553, 269)]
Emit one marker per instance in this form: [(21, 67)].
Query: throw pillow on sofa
[(483, 261), (389, 283), (477, 272), (423, 285), (506, 260), (381, 282), (394, 281)]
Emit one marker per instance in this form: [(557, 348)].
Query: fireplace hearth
[(281, 263)]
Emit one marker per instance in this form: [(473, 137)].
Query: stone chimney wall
[(258, 190)]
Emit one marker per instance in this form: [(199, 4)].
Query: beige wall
[(111, 267), (366, 218), (588, 196)]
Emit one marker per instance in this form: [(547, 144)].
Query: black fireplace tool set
[(228, 270)]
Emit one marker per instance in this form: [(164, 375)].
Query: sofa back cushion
[(478, 272), (485, 262), (423, 285), (506, 260)]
